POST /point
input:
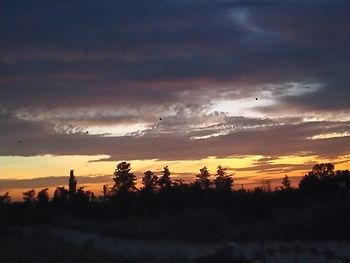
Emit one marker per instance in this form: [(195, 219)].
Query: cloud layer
[(175, 80)]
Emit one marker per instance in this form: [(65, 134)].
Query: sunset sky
[(260, 87)]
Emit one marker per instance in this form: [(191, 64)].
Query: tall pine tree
[(72, 184), (165, 181), (203, 179), (223, 181), (124, 179)]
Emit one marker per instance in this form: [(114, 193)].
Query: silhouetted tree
[(83, 197), (321, 177), (61, 195), (223, 181), (203, 179), (323, 169), (150, 182), (106, 192), (124, 179), (286, 184), (266, 185), (309, 182), (179, 183), (29, 196), (165, 181), (5, 198), (343, 178), (43, 196), (72, 184)]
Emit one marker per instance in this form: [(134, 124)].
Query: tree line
[(322, 177)]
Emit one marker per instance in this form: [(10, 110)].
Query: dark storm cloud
[(63, 49), (82, 63)]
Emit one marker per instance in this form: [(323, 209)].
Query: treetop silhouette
[(286, 183), (223, 181), (165, 181), (203, 179), (72, 184), (29, 196), (150, 182), (43, 196), (5, 198), (125, 181), (323, 178)]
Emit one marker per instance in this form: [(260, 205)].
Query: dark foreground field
[(183, 223), (41, 244), (18, 248)]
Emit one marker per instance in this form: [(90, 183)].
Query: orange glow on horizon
[(245, 169)]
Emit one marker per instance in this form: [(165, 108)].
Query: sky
[(260, 87)]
